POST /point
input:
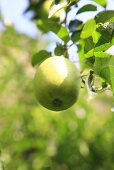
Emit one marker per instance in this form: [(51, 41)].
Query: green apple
[(57, 83)]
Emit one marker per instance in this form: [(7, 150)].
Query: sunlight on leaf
[(88, 29), (56, 8), (101, 2)]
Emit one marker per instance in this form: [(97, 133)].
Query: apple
[(57, 83)]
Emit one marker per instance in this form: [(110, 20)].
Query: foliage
[(92, 38)]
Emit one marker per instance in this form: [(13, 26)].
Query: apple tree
[(92, 38)]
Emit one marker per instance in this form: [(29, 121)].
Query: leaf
[(59, 50), (39, 57), (101, 2), (104, 16), (112, 77), (55, 8), (88, 29), (75, 36), (102, 40), (90, 62), (104, 67), (56, 1), (80, 47), (96, 36), (86, 8), (101, 54), (89, 44), (75, 25), (55, 27), (101, 48), (73, 1)]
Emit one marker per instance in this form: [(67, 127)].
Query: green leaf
[(105, 39), (101, 2), (112, 77), (75, 36), (107, 73), (100, 48), (96, 36), (56, 1), (75, 25), (102, 40), (59, 50), (89, 44), (73, 1), (88, 29), (101, 54), (55, 8), (104, 67), (104, 16), (90, 62), (55, 27), (80, 47), (86, 8), (39, 57)]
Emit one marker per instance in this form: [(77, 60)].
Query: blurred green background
[(34, 138)]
